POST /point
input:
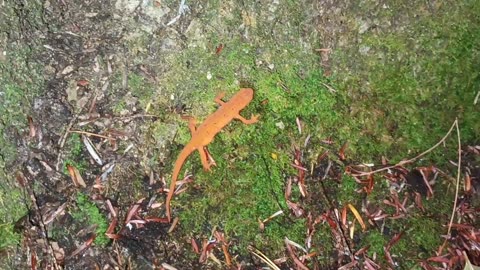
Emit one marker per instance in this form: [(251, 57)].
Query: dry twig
[(403, 162)]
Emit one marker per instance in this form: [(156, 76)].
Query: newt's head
[(243, 97)]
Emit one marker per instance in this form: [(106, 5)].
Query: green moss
[(119, 107), (21, 80), (89, 214), (247, 183), (396, 100), (140, 88), (74, 156), (415, 82), (12, 208), (376, 241)]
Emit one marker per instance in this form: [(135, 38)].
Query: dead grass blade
[(257, 253), (357, 216), (91, 150)]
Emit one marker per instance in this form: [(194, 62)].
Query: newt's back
[(223, 116)]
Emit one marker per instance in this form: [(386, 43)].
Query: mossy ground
[(401, 75), (397, 100)]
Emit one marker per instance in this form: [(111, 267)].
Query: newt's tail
[(176, 171)]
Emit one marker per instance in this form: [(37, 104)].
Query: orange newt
[(204, 134)]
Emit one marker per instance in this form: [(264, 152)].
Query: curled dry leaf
[(76, 177), (296, 208), (82, 83)]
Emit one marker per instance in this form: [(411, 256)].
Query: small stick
[(403, 162), (458, 180), (90, 134)]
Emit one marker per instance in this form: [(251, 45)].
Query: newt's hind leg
[(204, 158), (218, 98), (252, 120)]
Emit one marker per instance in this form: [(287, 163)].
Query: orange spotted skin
[(204, 134)]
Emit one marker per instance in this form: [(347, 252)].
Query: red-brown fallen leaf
[(468, 183), (219, 48), (113, 236), (362, 251), (20, 179), (371, 265), (110, 208), (31, 127), (76, 177), (112, 225), (288, 189), (156, 219), (133, 210), (294, 257), (221, 239), (194, 245), (439, 259), (322, 156), (33, 260), (83, 246), (341, 153), (388, 257), (426, 172), (296, 208), (394, 240), (330, 221), (344, 216), (83, 83), (418, 201), (207, 246), (348, 266)]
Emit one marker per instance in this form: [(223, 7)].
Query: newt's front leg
[(252, 120), (218, 98)]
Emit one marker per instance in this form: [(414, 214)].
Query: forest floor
[(366, 154)]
